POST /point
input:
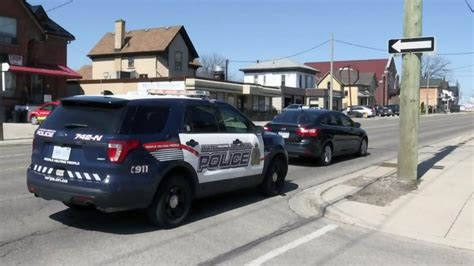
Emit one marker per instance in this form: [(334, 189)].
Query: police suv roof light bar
[(186, 93)]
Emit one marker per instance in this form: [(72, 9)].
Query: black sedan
[(320, 134)]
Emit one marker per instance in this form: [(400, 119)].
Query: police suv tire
[(171, 204), (274, 179)]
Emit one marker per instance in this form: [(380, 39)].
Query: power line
[(361, 46), (280, 58), (460, 53), (59, 6), (302, 52), (461, 67)]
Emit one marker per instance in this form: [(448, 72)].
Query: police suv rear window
[(297, 117), (145, 119), (86, 117)]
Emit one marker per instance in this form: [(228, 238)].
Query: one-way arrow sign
[(411, 45)]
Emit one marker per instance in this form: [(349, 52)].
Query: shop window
[(131, 62), (261, 103), (178, 61), (8, 30)]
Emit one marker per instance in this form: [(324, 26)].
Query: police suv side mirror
[(259, 130)]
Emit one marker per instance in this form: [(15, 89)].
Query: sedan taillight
[(311, 132), (119, 149)]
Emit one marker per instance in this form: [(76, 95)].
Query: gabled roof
[(48, 25), (362, 78), (433, 83), (85, 71), (284, 64), (377, 66), (142, 41)]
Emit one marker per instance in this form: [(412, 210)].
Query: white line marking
[(96, 177), (88, 177), (39, 168), (50, 171), (44, 169), (36, 167), (276, 252), (69, 173), (78, 175)]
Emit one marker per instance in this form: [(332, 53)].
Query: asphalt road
[(236, 228)]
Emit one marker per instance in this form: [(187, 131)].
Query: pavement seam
[(459, 213)]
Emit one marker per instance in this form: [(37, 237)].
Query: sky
[(249, 30)]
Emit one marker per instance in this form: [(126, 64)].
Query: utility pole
[(427, 92), (410, 95), (331, 72), (4, 67), (226, 69)]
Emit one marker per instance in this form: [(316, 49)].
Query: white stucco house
[(293, 78)]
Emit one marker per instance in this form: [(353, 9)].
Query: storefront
[(35, 47)]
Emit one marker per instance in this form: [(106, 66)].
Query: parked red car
[(40, 114)]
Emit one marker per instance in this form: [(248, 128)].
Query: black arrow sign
[(411, 45)]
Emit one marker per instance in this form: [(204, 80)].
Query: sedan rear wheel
[(34, 120), (326, 155)]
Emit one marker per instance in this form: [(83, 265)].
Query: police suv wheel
[(172, 203), (274, 179)]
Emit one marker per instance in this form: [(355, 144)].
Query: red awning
[(57, 71)]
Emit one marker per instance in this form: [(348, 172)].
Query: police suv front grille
[(71, 174)]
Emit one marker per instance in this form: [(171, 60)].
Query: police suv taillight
[(119, 149)]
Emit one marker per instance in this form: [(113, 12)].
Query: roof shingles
[(137, 41)]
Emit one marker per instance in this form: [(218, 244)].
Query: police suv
[(151, 152)]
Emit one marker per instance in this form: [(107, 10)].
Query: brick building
[(384, 69), (36, 48)]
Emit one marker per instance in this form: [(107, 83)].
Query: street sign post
[(411, 45)]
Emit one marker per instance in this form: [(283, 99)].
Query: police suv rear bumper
[(111, 197)]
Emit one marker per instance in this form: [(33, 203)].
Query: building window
[(300, 80), (8, 30), (178, 61), (329, 85), (283, 80), (10, 84), (264, 79), (131, 62), (143, 76), (261, 103), (346, 93), (255, 79)]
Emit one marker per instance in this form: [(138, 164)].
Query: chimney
[(119, 33)]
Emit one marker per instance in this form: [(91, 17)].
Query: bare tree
[(435, 67), (208, 62)]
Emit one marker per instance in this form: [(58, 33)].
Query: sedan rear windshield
[(299, 117), (90, 117)]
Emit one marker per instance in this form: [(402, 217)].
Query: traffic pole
[(427, 93), (410, 96), (331, 70)]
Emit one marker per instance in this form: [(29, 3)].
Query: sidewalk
[(438, 208), (14, 133)]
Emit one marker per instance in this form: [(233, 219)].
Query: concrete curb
[(323, 199)]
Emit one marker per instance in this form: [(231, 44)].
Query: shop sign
[(15, 59)]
